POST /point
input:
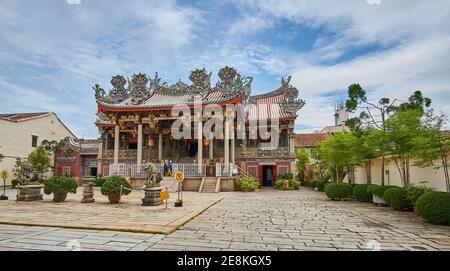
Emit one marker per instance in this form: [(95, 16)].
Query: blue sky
[(53, 52)]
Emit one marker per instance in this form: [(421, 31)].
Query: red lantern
[(151, 142)]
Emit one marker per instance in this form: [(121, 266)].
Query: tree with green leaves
[(402, 130), (367, 150), (375, 114), (56, 147), (341, 151), (40, 160), (432, 147), (302, 162)]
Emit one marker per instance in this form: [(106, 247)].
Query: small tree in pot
[(60, 186), (112, 188)]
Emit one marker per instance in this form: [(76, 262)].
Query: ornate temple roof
[(144, 93)]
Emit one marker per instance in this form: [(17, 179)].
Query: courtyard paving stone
[(128, 216), (266, 220)]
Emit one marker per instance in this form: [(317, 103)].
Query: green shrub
[(60, 185), (314, 183), (434, 207), (339, 190), (294, 184), (397, 198), (321, 185), (325, 184), (415, 191), (14, 183), (285, 176), (361, 193), (247, 184), (99, 182), (378, 190), (111, 186), (278, 185)]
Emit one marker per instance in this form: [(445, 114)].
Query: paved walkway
[(267, 220), (128, 216)]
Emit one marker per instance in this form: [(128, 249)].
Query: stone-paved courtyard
[(266, 220)]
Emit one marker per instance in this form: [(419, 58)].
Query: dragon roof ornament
[(291, 103), (141, 87)]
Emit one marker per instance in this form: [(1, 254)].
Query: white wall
[(434, 177), (15, 138)]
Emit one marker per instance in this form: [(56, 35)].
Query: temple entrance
[(93, 171), (268, 175), (193, 148)]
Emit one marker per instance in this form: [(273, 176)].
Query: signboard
[(164, 195), (5, 174), (178, 176)]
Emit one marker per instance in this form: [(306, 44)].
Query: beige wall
[(434, 177), (15, 138)]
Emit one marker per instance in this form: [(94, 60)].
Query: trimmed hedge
[(415, 191), (378, 190), (339, 190), (361, 193), (397, 198), (434, 207)]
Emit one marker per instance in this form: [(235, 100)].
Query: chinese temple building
[(136, 124)]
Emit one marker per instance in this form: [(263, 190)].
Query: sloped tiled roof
[(22, 116), (310, 140), (267, 107)]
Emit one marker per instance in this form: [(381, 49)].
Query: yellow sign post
[(165, 196), (4, 177), (179, 178)]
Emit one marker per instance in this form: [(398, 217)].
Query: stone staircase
[(209, 185)]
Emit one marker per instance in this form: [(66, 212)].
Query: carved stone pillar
[(100, 157), (226, 143), (200, 146), (211, 148), (233, 146), (116, 144), (160, 146), (139, 147)]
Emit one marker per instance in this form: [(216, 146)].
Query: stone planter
[(59, 197), (378, 200), (114, 199), (30, 193), (152, 197)]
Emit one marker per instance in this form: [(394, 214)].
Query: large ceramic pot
[(378, 200), (114, 199), (59, 197)]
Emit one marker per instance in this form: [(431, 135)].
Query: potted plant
[(60, 186), (112, 188)]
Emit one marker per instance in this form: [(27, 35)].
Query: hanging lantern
[(151, 142)]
